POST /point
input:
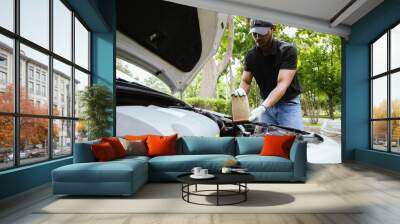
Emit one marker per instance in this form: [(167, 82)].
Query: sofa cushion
[(132, 158), (103, 151), (136, 147), (136, 137), (83, 152), (116, 145), (112, 171), (185, 163), (196, 145), (161, 145), (249, 145), (276, 145), (257, 163)]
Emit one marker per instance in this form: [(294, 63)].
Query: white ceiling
[(317, 15), (324, 9)]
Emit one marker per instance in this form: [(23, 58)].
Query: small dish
[(208, 176)]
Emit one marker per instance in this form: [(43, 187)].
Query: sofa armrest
[(83, 152), (298, 155)]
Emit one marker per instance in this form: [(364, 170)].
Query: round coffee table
[(238, 179)]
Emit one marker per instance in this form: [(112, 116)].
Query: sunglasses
[(257, 35)]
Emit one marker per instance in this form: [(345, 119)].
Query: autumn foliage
[(380, 127), (33, 130)]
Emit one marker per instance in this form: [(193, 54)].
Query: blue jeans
[(285, 113)]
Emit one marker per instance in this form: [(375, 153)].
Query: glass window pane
[(34, 74), (81, 45), (6, 142), (379, 56), (34, 16), (62, 89), (33, 139), (7, 14), (379, 98), (395, 94), (6, 74), (395, 136), (81, 81), (62, 138), (395, 47), (133, 73), (379, 135), (62, 28), (81, 131)]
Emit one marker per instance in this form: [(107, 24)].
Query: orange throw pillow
[(136, 137), (275, 145), (161, 145), (103, 152), (116, 145)]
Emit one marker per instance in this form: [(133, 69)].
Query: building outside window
[(3, 61), (3, 72), (385, 97), (30, 87), (30, 72), (44, 77), (55, 97), (37, 75), (43, 90), (3, 78), (38, 89), (60, 126)]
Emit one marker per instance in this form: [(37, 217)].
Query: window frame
[(388, 74), (16, 114)]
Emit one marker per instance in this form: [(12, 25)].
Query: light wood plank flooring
[(378, 189)]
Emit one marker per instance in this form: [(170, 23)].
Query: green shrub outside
[(217, 105)]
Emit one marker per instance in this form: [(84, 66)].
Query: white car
[(172, 41)]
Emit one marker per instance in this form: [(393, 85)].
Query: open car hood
[(169, 40)]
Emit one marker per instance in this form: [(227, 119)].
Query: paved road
[(327, 152)]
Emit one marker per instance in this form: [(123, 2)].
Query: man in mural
[(273, 64)]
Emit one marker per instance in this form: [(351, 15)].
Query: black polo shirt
[(265, 68)]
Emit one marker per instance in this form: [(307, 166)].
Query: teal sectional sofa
[(125, 176)]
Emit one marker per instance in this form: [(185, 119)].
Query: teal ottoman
[(119, 177)]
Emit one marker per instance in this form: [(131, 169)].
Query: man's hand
[(257, 113), (239, 92)]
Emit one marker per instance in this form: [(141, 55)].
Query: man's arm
[(285, 77), (246, 81)]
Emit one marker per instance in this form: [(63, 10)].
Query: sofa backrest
[(249, 145), (194, 145), (83, 152)]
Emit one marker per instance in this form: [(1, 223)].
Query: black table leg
[(245, 193), (217, 194), (243, 189), (188, 189)]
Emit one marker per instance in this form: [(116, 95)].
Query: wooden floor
[(377, 188)]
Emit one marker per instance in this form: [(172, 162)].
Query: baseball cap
[(260, 26)]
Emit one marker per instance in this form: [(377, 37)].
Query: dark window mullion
[(16, 84), (84, 70), (389, 100), (73, 82), (50, 87), (371, 137), (384, 119), (7, 33)]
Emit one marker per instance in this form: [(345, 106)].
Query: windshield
[(133, 73)]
